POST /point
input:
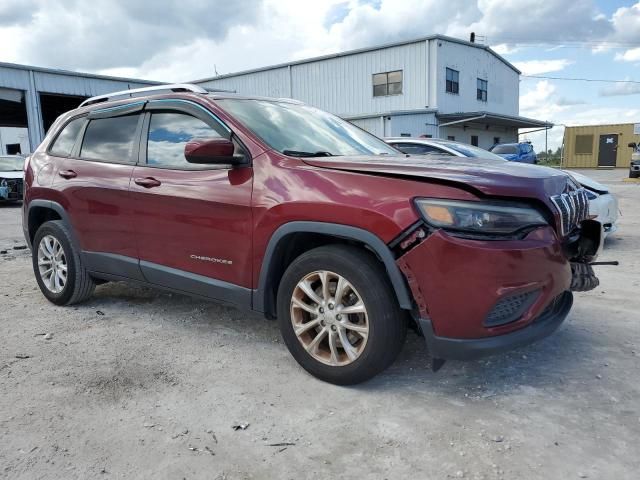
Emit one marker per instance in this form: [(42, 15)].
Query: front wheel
[(339, 316)]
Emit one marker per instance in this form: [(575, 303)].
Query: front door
[(193, 222), (608, 150)]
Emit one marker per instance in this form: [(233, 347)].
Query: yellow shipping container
[(593, 146)]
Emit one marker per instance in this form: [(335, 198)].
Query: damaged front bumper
[(476, 298), (468, 349)]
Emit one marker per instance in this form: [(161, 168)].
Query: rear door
[(608, 150), (193, 222), (94, 185)]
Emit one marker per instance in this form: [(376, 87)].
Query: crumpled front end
[(479, 296)]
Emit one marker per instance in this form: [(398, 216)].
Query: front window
[(388, 83), (169, 133), (303, 131), (11, 164), (482, 90), (453, 81)]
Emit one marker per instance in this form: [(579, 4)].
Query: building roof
[(17, 66), (363, 50), (493, 118)]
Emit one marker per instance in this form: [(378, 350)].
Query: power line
[(581, 79), (562, 43)]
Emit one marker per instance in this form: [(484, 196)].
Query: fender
[(260, 300), (56, 207)]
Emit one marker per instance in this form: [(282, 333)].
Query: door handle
[(67, 174), (148, 182)]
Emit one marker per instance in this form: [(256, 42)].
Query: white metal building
[(434, 86), (31, 98)]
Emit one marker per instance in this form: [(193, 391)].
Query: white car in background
[(11, 178), (601, 202)]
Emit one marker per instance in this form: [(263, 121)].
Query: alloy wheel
[(52, 264), (329, 318)]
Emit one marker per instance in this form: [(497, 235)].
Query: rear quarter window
[(66, 139)]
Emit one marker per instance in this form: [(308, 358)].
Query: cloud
[(124, 33), (16, 12), (538, 67), (626, 23), (631, 55), (620, 89), (569, 102)]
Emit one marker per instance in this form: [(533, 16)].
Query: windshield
[(10, 164), (303, 131), (470, 150), (505, 149)]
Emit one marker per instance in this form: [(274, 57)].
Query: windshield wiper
[(298, 153)]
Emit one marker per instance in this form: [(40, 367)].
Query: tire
[(367, 353), (633, 174), (78, 285)]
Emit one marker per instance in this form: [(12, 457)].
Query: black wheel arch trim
[(260, 298), (56, 207)]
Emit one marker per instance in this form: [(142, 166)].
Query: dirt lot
[(141, 384)]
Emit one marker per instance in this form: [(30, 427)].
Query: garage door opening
[(54, 105), (14, 135), (13, 111)]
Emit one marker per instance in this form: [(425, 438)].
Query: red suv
[(281, 208)]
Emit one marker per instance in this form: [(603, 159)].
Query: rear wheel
[(633, 174), (58, 267), (338, 314)]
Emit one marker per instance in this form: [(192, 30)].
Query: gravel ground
[(141, 384)]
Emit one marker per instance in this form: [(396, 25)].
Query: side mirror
[(211, 151), (632, 145)]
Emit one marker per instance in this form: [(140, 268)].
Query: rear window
[(110, 139), (505, 149), (65, 141)]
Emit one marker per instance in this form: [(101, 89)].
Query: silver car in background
[(601, 202), (11, 178)]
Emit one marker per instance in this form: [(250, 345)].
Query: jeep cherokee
[(284, 209)]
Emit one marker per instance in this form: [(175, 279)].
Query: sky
[(171, 40)]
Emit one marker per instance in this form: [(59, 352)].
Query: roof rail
[(175, 87)]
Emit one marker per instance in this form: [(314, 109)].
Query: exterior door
[(608, 151), (193, 222), (93, 180)]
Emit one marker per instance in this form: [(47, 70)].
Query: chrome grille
[(573, 207)]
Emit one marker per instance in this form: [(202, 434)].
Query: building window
[(453, 81), (584, 144), (388, 83), (405, 134), (451, 137), (474, 140), (496, 140), (482, 90)]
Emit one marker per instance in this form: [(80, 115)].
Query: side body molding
[(261, 301)]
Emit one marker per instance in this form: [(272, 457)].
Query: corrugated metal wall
[(34, 81), (590, 160), (342, 85), (270, 83)]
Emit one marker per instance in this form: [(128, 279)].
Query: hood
[(489, 177), (12, 174), (587, 182)]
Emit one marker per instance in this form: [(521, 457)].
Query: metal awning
[(487, 118)]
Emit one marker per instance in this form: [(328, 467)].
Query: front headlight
[(3, 182), (495, 218)]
